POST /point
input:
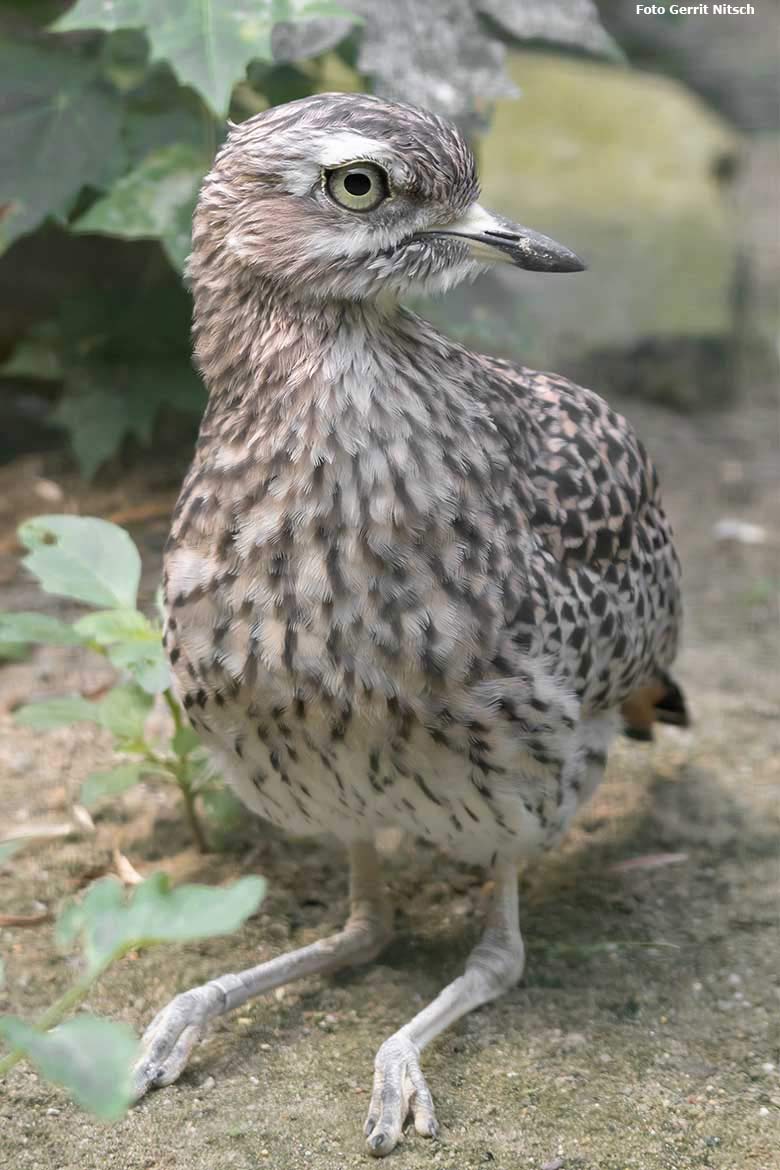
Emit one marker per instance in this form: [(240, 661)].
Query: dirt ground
[(645, 1033)]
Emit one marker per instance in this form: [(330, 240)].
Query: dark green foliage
[(110, 114), (60, 127)]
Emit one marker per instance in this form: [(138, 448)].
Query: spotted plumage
[(406, 583)]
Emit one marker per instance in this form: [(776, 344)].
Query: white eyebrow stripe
[(346, 146)]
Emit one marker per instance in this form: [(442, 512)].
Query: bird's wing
[(603, 574)]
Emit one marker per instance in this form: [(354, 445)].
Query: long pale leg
[(494, 966), (174, 1032)]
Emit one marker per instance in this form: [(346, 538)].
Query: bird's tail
[(659, 701)]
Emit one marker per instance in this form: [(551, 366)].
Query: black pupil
[(357, 183)]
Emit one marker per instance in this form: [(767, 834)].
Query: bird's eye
[(358, 186)]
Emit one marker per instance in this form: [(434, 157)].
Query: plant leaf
[(110, 924), (223, 807), (83, 557), (59, 131), (208, 44), (37, 627), (160, 112), (35, 356), (8, 848), (145, 662), (156, 199), (117, 397), (14, 651), (100, 785), (96, 422), (185, 740), (115, 625), (124, 711), (51, 713), (91, 1058), (324, 9)]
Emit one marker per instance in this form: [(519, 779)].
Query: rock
[(444, 54), (730, 530), (621, 166), (573, 1040), (730, 60)]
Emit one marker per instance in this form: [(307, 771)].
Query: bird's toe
[(167, 1043), (399, 1090)]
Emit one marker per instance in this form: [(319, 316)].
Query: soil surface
[(645, 1033)]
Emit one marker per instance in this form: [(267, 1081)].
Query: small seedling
[(90, 1057), (96, 563)]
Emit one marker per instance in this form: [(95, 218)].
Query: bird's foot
[(399, 1089), (167, 1043)]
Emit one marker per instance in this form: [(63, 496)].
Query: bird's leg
[(494, 966), (174, 1032)]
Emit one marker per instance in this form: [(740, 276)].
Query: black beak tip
[(573, 263), (539, 253), (560, 259)]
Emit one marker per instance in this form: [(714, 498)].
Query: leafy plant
[(111, 113), (96, 563), (92, 1058)]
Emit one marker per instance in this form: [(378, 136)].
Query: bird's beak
[(493, 239)]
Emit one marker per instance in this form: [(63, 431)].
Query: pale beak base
[(494, 239)]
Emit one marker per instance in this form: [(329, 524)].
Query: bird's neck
[(286, 374)]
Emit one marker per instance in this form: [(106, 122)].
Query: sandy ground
[(645, 1033)]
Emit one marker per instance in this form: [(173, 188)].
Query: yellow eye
[(358, 186)]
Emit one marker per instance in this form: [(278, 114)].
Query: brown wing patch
[(659, 701)]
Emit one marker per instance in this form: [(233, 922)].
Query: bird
[(406, 584)]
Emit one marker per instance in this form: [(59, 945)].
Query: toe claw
[(427, 1127), (381, 1143)]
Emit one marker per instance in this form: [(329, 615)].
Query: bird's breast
[(371, 570)]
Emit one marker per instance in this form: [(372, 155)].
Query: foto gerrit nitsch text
[(695, 10)]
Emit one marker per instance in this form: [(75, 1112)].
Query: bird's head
[(348, 196)]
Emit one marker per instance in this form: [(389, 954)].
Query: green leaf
[(51, 713), (14, 651), (156, 199), (37, 627), (100, 785), (35, 356), (83, 557), (124, 711), (59, 131), (145, 662), (115, 625), (118, 398), (110, 924), (208, 44), (96, 421), (91, 1058), (8, 848), (223, 807), (323, 9), (185, 740), (160, 112)]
